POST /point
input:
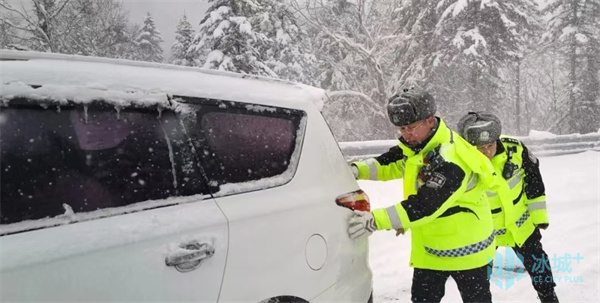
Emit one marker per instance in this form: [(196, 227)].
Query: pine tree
[(129, 49), (573, 28), (184, 36), (148, 42), (259, 37), (227, 41)]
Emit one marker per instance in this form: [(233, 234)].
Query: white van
[(126, 181)]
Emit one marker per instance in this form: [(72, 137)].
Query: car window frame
[(49, 222), (300, 124)]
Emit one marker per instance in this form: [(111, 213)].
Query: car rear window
[(246, 143), (81, 159), (249, 147)]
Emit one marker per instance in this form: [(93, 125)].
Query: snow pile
[(82, 94), (142, 82), (537, 134)]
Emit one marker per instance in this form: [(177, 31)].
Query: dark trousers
[(541, 275), (430, 285)]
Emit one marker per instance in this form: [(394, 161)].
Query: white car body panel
[(116, 259), (268, 230), (289, 240)]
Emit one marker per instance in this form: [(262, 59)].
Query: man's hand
[(399, 231), (361, 223), (354, 170)]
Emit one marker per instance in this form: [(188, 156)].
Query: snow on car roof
[(83, 79)]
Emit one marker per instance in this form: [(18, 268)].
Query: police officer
[(516, 223), (445, 204)]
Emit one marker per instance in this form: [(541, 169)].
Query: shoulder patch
[(436, 180), (510, 140)]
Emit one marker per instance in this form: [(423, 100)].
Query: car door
[(252, 153), (107, 206)]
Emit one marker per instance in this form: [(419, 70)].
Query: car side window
[(243, 143), (86, 159)]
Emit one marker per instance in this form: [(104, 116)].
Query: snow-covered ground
[(573, 198)]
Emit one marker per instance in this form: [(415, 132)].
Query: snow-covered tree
[(184, 35), (474, 39), (284, 46), (573, 29), (85, 27), (129, 49), (259, 37), (227, 41), (148, 42), (40, 25), (354, 42), (8, 34), (413, 57), (545, 97), (94, 28)]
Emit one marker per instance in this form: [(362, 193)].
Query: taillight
[(356, 200)]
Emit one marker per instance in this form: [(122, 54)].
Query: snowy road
[(573, 198)]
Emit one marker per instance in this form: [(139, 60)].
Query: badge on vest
[(436, 181)]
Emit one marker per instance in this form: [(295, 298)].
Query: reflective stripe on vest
[(514, 181), (537, 205), (523, 218), (394, 217), (491, 194), (472, 182), (372, 169), (500, 232), (462, 251)]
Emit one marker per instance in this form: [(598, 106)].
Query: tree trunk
[(474, 81), (573, 113), (518, 96)]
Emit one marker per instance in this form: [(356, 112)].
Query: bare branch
[(9, 8), (345, 93), (59, 10), (339, 93)]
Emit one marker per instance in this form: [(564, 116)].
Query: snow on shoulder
[(81, 79)]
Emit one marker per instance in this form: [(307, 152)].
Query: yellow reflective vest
[(515, 221), (448, 213)]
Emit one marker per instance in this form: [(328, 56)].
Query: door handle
[(189, 256)]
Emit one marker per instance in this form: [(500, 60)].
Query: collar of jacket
[(439, 136), (499, 148)]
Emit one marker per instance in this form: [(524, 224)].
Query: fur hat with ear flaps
[(410, 106)]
